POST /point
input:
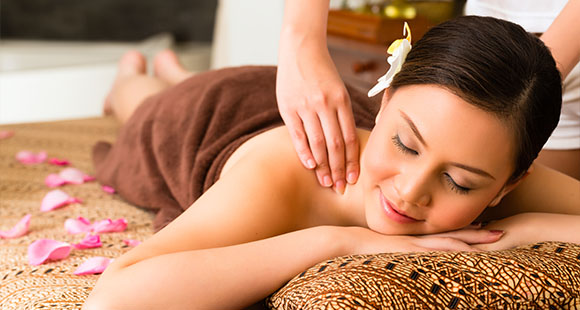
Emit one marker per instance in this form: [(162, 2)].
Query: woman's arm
[(528, 228), (230, 277), (562, 37), (236, 276), (543, 190)]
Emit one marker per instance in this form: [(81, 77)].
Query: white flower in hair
[(398, 50)]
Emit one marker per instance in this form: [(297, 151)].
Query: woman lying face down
[(458, 129)]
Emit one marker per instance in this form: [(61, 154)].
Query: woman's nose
[(413, 187)]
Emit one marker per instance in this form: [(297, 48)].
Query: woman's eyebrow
[(473, 169), (413, 128), (458, 165)]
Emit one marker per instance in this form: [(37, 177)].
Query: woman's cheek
[(454, 216), (382, 161)]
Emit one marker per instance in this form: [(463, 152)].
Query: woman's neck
[(346, 209)]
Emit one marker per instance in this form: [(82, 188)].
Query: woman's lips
[(392, 213)]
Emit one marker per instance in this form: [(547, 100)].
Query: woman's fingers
[(446, 244), (471, 236)]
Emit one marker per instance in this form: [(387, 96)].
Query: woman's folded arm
[(528, 228), (219, 278), (237, 276)]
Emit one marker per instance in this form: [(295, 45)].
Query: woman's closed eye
[(454, 186), (407, 150), (402, 147)]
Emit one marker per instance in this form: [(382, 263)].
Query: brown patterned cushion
[(540, 276)]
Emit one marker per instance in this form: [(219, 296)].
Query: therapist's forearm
[(306, 20), (562, 37)]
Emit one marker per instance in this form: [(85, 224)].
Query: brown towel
[(174, 146)]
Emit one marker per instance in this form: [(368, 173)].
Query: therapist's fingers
[(334, 148), (299, 139), (317, 143), (351, 143)]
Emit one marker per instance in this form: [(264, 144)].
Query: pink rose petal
[(43, 250), (89, 242), (79, 225), (54, 180), (58, 162), (93, 265), (19, 230), (72, 175), (56, 199), (131, 242), (106, 226), (5, 134), (108, 189), (28, 157), (67, 176)]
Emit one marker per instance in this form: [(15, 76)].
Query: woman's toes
[(166, 66), (107, 106), (131, 63)]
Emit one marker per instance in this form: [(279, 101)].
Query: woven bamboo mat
[(53, 285)]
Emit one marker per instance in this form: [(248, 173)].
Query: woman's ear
[(509, 187), (384, 101)]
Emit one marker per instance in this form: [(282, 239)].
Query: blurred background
[(58, 58)]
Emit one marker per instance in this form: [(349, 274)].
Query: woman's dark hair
[(497, 66)]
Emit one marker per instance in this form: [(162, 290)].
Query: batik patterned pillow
[(538, 276)]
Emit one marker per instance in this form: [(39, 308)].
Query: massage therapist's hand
[(316, 108), (366, 241)]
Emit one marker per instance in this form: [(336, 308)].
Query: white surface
[(247, 32), (47, 80), (537, 16), (533, 15), (54, 93)]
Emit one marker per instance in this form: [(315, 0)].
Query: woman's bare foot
[(167, 67), (132, 63)]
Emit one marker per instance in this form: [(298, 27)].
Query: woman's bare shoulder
[(271, 157), (265, 191), (543, 190), (254, 199), (271, 148)]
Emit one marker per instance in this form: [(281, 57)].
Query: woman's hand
[(366, 241), (312, 98), (528, 228)]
